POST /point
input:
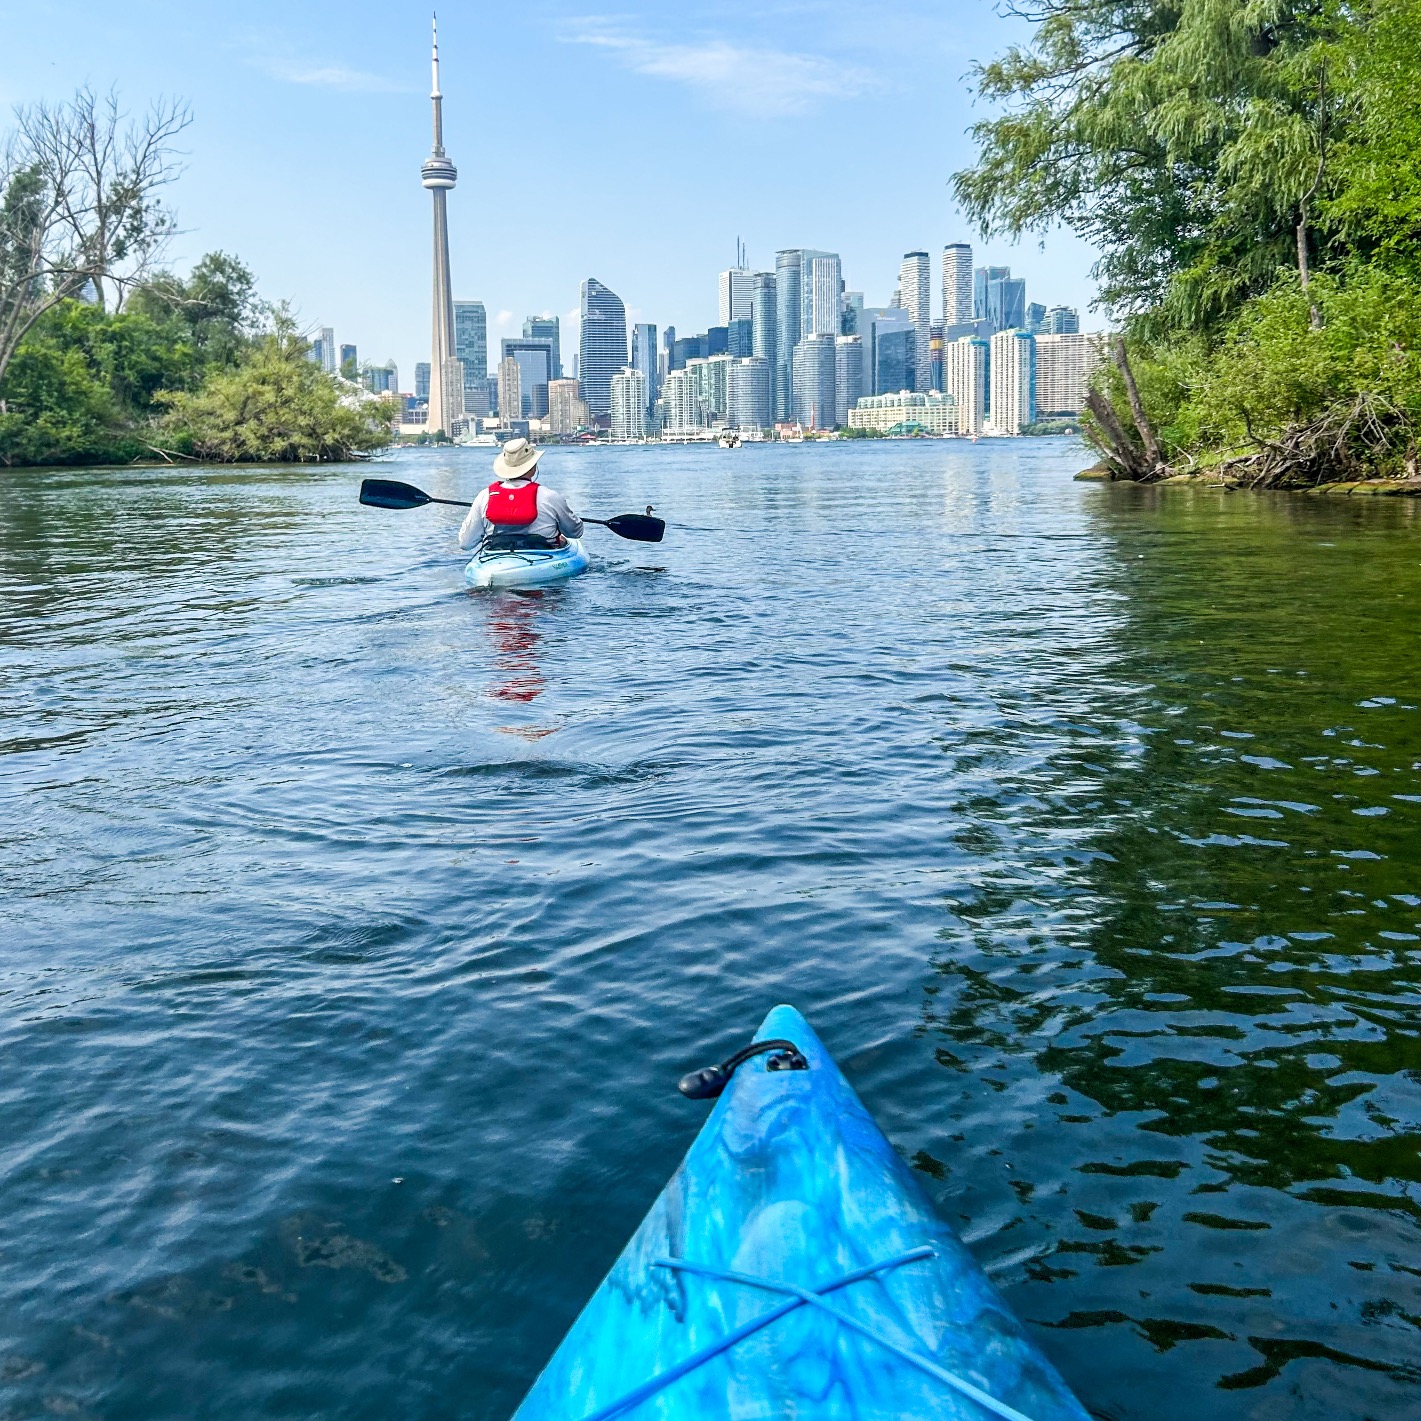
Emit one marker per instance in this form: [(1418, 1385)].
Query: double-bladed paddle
[(389, 493)]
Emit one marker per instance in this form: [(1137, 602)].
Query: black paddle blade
[(638, 527), (388, 493)]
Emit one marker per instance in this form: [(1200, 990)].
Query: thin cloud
[(329, 76), (761, 83)]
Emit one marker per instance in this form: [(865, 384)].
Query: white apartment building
[(956, 285), (915, 297), (567, 411), (964, 377), (510, 390), (680, 404), (1013, 381), (933, 411), (1064, 365), (628, 405)]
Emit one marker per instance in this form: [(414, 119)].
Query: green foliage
[(277, 405)]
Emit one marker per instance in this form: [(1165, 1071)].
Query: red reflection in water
[(516, 640)]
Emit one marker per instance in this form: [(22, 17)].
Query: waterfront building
[(567, 411), (981, 279), (736, 295), (1063, 321), (323, 349), (815, 395), (915, 297), (751, 403), (1012, 380), (1035, 317), (964, 377), (471, 351), (603, 346), (535, 370), (349, 361), (510, 390), (1064, 365), (763, 318), (1006, 304), (628, 393), (421, 381), (890, 350), (931, 411), (848, 376), (548, 328), (788, 316), (644, 358), (710, 379), (821, 290), (686, 349), (956, 285), (438, 175), (668, 347), (740, 338), (680, 405)]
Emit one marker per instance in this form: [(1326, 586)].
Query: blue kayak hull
[(791, 1182), (526, 567)]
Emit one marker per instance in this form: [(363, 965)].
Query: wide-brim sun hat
[(518, 459)]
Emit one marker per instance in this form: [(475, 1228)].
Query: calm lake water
[(357, 927)]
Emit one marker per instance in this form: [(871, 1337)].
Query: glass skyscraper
[(1006, 303), (546, 328), (815, 382), (535, 369), (915, 297), (787, 327), (980, 280), (644, 359), (956, 286), (602, 349), (471, 349)]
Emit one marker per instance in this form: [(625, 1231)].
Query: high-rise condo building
[(644, 359), (680, 404), (471, 351), (890, 350), (1064, 365), (668, 347), (956, 286), (603, 346), (821, 292), (736, 295), (323, 350), (740, 338), (710, 378), (421, 380), (628, 392), (349, 361), (567, 413), (548, 328), (438, 175), (535, 371), (1006, 304), (751, 394), (848, 376), (850, 314), (1063, 321), (1013, 381), (981, 279), (788, 327), (763, 320), (718, 341), (510, 390), (815, 394), (915, 296), (382, 379), (964, 377), (935, 351)]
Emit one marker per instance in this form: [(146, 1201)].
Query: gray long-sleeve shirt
[(554, 517)]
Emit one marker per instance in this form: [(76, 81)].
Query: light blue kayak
[(526, 567), (794, 1269)]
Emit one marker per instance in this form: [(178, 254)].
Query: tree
[(216, 309), (1186, 139), (79, 206), (277, 405)]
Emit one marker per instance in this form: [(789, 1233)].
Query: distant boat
[(730, 440), (794, 435)]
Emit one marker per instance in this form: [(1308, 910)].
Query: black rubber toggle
[(709, 1081)]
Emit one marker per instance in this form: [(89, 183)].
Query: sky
[(634, 144)]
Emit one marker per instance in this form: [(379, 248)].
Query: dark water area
[(357, 927)]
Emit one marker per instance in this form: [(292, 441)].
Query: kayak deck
[(790, 1191), (526, 567)]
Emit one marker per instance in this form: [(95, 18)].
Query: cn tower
[(446, 388)]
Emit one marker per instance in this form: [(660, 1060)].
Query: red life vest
[(512, 507)]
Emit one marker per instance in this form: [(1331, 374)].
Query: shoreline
[(1369, 488)]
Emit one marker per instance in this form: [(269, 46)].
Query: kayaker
[(516, 508)]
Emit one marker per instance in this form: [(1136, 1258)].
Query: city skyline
[(275, 83)]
